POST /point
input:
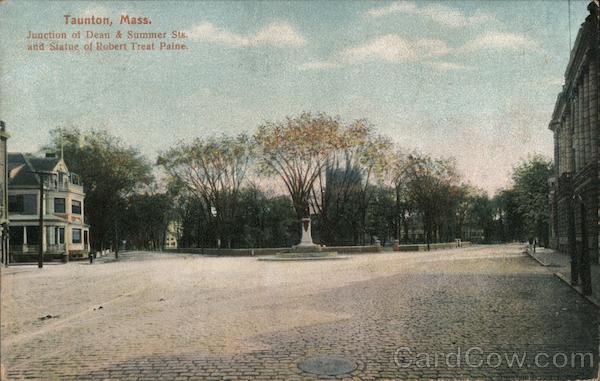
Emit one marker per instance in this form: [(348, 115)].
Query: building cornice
[(584, 51)]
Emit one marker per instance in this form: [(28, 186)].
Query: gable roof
[(19, 171), (21, 165), (46, 164)]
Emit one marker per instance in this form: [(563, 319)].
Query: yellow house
[(172, 235), (65, 231)]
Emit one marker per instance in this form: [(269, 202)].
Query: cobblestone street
[(395, 315)]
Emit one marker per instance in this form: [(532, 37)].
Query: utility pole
[(585, 272), (116, 240), (4, 234), (41, 175)]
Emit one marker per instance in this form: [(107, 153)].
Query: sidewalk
[(560, 264)]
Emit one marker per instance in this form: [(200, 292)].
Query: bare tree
[(432, 186), (213, 170), (297, 150), (363, 158)]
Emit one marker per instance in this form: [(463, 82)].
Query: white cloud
[(279, 34), (444, 66), (318, 65), (432, 48), (441, 14), (394, 48), (388, 48), (396, 7), (499, 40), (209, 33), (453, 18), (275, 34), (391, 48)]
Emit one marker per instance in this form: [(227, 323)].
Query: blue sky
[(472, 79)]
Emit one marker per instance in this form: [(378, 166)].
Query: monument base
[(304, 256), (306, 250), (312, 248), (304, 253)]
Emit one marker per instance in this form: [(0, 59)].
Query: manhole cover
[(327, 365)]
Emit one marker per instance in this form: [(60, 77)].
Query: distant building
[(413, 231), (473, 234), (64, 228), (172, 235), (3, 194), (575, 190)]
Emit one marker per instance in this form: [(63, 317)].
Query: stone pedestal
[(306, 244), (305, 250)]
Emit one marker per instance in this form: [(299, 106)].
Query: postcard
[(299, 190)]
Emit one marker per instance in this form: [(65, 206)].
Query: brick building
[(575, 190)]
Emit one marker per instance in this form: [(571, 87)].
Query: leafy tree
[(382, 213), (297, 151), (359, 162), (397, 177), (196, 225), (531, 188), (482, 214), (265, 220), (339, 218), (431, 185), (508, 218), (212, 170), (473, 211), (262, 220), (146, 220), (110, 172)]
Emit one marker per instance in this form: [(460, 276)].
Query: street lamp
[(42, 177), (213, 212)]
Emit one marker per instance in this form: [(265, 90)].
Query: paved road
[(184, 317)]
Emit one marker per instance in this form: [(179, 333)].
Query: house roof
[(46, 164), (21, 165)]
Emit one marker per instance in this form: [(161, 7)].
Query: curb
[(298, 259), (564, 279), (544, 264), (577, 289)]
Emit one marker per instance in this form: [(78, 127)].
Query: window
[(76, 207), (22, 203), (16, 235), (33, 235), (30, 203), (76, 235), (75, 179), (57, 236), (59, 205), (50, 235), (86, 238), (16, 203)]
